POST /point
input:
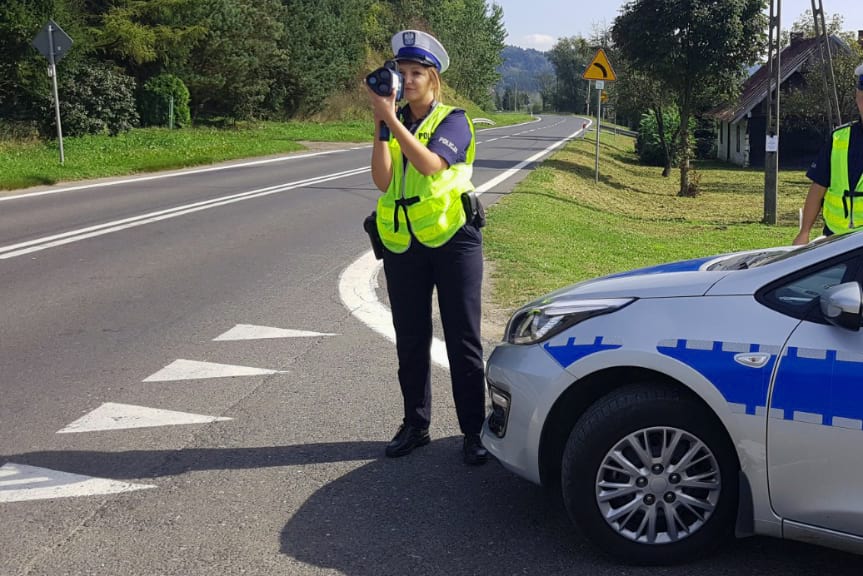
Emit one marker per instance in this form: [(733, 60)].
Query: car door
[(815, 420)]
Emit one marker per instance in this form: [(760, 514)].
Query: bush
[(94, 99), (648, 145), (155, 101)]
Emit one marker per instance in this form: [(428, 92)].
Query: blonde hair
[(435, 82)]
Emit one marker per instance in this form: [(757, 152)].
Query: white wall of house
[(732, 142)]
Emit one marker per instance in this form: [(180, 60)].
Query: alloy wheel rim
[(658, 485)]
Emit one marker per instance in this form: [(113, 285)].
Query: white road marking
[(194, 370), (359, 281), (111, 416), (252, 332), (19, 482), (172, 174), (357, 285), (38, 244)]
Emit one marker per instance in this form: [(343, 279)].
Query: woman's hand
[(384, 107)]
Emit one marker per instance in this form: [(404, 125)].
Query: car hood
[(684, 278)]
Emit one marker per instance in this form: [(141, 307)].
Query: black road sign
[(50, 34)]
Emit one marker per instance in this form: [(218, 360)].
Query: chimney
[(797, 37), (860, 38)]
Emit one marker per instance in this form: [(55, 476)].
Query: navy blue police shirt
[(819, 171), (450, 139)]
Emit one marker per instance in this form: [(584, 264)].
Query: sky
[(539, 23)]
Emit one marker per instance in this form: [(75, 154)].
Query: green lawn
[(559, 226)]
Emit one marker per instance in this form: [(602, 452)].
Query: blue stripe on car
[(805, 389), (803, 392), (571, 352), (683, 266), (738, 384)]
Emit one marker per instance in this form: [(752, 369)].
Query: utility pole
[(771, 143), (587, 100), (834, 114)]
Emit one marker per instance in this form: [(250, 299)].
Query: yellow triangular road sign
[(599, 68)]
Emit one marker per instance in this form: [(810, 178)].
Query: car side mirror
[(842, 304)]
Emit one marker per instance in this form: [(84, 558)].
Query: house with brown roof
[(741, 125)]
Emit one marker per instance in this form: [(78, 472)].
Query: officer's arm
[(382, 163), (811, 208)]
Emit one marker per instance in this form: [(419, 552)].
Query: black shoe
[(406, 439), (474, 452)]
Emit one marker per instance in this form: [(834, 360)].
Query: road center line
[(36, 245), (163, 175)]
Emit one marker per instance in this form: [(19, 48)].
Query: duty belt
[(403, 203), (849, 211)]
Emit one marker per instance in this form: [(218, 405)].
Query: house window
[(738, 137)]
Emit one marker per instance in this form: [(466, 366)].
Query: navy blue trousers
[(456, 270)]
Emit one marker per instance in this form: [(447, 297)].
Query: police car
[(677, 404)]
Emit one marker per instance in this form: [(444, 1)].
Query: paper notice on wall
[(771, 144)]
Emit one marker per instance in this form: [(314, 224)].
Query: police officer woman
[(837, 179), (423, 169)]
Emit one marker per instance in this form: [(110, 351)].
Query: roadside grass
[(25, 163), (559, 227)]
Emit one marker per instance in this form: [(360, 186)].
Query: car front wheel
[(649, 475)]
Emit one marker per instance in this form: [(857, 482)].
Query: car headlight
[(540, 321)]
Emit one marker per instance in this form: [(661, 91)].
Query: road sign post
[(601, 71), (53, 44)]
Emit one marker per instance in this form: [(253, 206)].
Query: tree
[(144, 36), (803, 108), (24, 85), (234, 70), (570, 56), (547, 89), (326, 52), (474, 57), (697, 49), (637, 92), (805, 24)]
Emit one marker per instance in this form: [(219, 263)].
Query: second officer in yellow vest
[(837, 179), (423, 169)]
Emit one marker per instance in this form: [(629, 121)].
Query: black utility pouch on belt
[(473, 209), (370, 225)]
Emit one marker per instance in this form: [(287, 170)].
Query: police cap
[(421, 47)]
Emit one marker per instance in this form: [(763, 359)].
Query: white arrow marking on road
[(194, 370), (19, 482), (252, 332), (111, 416)]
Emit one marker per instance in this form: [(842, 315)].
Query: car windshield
[(768, 256)]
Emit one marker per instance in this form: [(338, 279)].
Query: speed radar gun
[(384, 81)]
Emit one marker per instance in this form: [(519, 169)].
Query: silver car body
[(788, 391)]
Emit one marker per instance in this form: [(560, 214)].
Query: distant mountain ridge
[(521, 68)]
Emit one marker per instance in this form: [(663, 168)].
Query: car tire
[(639, 513)]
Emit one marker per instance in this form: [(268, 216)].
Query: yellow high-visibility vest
[(429, 206), (843, 205)]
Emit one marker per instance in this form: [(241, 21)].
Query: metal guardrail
[(622, 131), (483, 121)]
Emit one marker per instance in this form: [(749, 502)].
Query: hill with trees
[(524, 75), (223, 59)]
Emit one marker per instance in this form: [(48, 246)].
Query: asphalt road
[(167, 303)]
